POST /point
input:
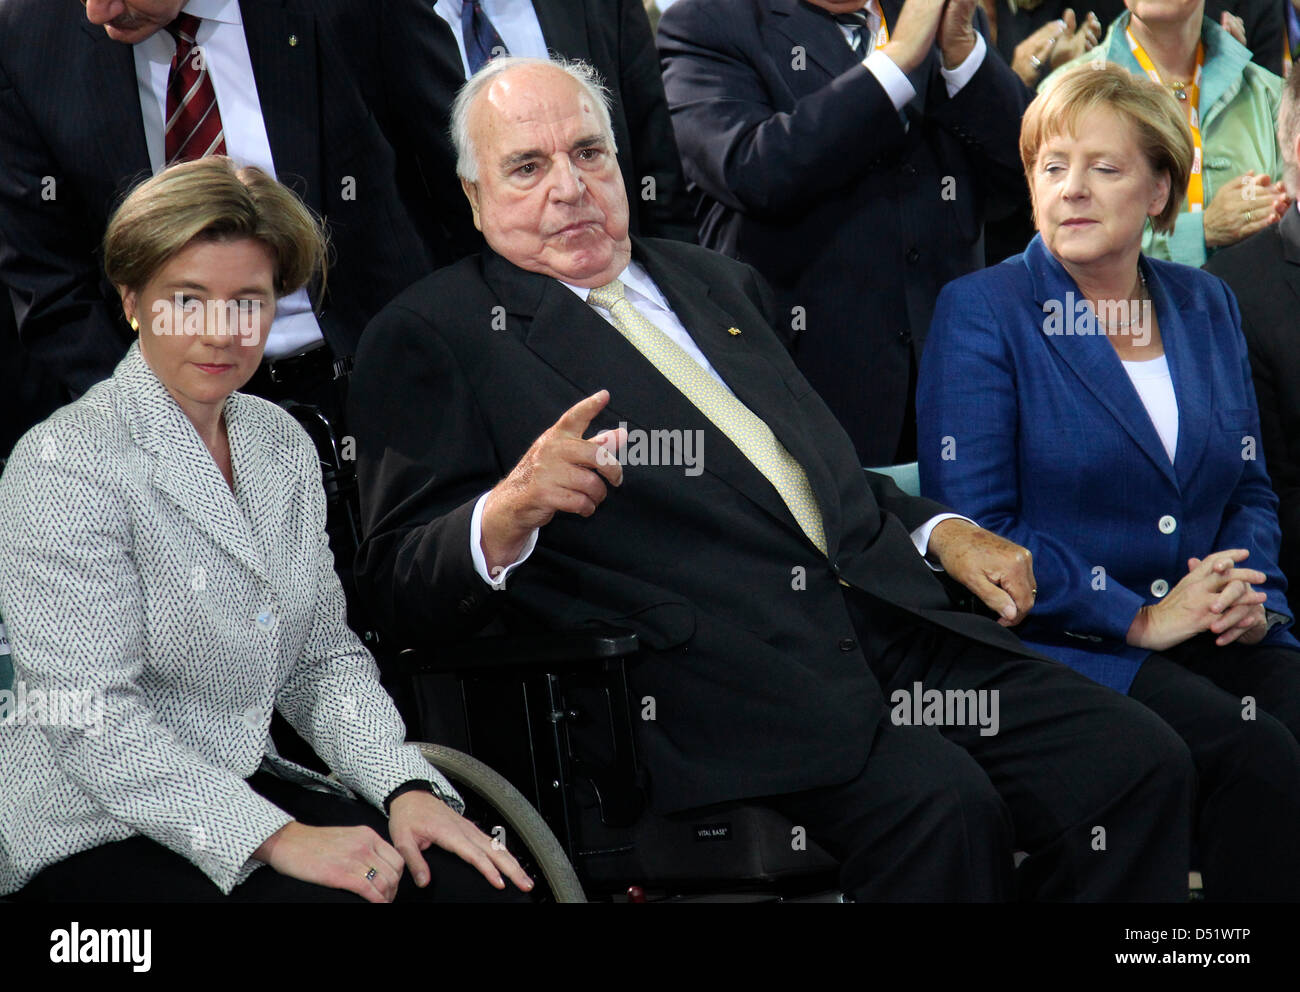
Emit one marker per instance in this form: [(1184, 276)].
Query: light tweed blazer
[(130, 574)]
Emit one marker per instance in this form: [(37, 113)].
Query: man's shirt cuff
[(897, 86), (921, 536), (476, 548), (959, 77)]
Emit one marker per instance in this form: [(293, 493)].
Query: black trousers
[(142, 870), (1238, 709), (1092, 784)]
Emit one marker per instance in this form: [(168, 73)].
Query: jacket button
[(465, 605), (909, 169), (913, 255), (1159, 587), (1167, 524), (847, 644), (265, 618), (905, 336)]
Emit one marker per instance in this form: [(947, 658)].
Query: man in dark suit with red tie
[(345, 101)]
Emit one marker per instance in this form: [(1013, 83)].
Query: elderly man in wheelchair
[(520, 421)]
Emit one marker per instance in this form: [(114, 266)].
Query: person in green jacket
[(1230, 100)]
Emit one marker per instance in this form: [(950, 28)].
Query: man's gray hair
[(1288, 127), (581, 73)]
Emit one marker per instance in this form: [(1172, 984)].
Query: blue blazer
[(1042, 438)]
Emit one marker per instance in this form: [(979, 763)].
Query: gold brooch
[(733, 331)]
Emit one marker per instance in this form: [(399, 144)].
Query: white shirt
[(225, 52), (515, 21), (643, 294), (1155, 388)]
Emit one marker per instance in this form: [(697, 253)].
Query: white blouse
[(1155, 387)]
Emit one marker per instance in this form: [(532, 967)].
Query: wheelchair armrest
[(597, 644)]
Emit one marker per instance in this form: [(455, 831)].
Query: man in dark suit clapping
[(780, 594), (853, 163)]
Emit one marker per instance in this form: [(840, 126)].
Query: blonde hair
[(210, 199), (1162, 132)]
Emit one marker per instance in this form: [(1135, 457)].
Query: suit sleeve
[(968, 415), (1250, 518), (332, 695), (422, 71), (419, 477), (736, 146), (984, 116), (748, 156), (1281, 446), (49, 259), (73, 602), (668, 213)]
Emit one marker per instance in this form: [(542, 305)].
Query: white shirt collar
[(635, 278), (225, 11)]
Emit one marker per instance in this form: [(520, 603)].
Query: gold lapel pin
[(733, 331), (293, 40)]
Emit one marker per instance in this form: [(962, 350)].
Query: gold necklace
[(1143, 295)]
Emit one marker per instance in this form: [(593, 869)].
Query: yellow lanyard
[(882, 36), (1195, 186)]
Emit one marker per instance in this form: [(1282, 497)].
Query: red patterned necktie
[(193, 127)]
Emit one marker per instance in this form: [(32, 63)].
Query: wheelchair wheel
[(527, 824)]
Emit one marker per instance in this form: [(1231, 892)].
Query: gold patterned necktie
[(742, 426)]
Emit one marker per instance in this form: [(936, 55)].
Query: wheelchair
[(550, 712)]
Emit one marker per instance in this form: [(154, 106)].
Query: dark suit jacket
[(1051, 447), (1264, 273), (364, 93), (809, 176), (615, 37), (1265, 23), (750, 654)]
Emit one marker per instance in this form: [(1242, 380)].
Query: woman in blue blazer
[(1096, 407)]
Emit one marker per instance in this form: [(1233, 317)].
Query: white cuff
[(921, 536), (959, 77), (476, 549), (897, 86)]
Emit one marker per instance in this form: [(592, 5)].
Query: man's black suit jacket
[(614, 36), (356, 111), (808, 175), (1264, 273), (760, 685)]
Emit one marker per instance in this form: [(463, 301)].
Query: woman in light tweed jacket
[(167, 582)]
